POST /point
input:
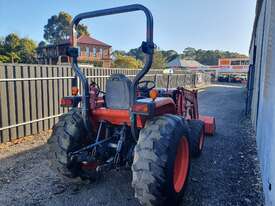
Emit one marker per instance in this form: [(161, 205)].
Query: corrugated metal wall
[(263, 99)]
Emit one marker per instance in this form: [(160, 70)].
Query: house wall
[(101, 52), (51, 55), (262, 51)]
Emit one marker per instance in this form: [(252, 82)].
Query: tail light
[(143, 108), (140, 108), (71, 101), (66, 102)]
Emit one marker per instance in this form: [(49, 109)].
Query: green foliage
[(42, 44), (11, 43), (123, 61), (119, 52), (27, 50), (169, 55), (13, 57), (162, 57), (137, 53), (189, 53), (208, 57), (97, 63), (135, 58), (4, 59), (16, 50), (58, 28), (159, 61), (82, 30)]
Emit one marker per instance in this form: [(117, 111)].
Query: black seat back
[(118, 92)]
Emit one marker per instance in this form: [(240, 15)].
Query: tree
[(27, 50), (13, 57), (11, 42), (16, 50), (82, 30), (208, 57), (169, 55), (158, 60), (137, 54), (58, 28), (42, 44), (119, 52), (189, 53), (4, 59), (123, 61), (161, 57), (11, 47)]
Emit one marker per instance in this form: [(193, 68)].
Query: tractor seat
[(118, 92)]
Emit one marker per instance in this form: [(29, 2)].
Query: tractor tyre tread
[(196, 128), (68, 134), (151, 157)]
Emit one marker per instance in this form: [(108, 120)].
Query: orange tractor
[(153, 132)]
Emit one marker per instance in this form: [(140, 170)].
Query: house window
[(106, 53), (94, 52), (87, 51), (101, 52)]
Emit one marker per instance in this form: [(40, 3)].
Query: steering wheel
[(145, 86), (97, 87)]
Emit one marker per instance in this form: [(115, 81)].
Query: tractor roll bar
[(147, 48), (116, 10)]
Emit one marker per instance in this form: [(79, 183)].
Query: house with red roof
[(91, 51)]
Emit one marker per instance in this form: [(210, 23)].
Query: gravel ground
[(227, 173)]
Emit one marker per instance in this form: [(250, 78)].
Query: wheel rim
[(181, 165), (201, 140)]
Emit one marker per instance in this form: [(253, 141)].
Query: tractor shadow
[(26, 179)]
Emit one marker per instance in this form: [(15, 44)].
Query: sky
[(202, 24)]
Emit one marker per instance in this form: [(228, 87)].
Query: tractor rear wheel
[(68, 135), (197, 137), (161, 161)]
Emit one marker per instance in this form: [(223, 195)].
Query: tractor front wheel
[(161, 161), (197, 137)]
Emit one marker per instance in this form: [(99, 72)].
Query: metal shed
[(261, 92)]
